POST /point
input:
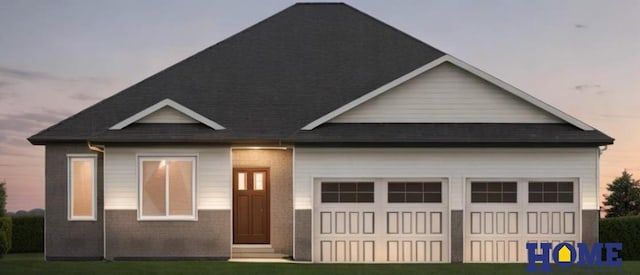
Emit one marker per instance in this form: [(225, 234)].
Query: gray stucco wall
[(208, 237), (303, 235), (280, 164), (457, 237), (66, 239), (590, 221)]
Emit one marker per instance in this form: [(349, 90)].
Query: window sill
[(168, 219), (79, 219)]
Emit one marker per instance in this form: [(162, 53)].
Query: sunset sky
[(59, 57)]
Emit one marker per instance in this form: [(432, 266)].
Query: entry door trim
[(267, 190)]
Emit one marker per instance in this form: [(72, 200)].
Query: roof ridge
[(394, 28), (321, 3)]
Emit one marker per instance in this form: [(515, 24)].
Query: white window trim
[(94, 194), (194, 184)]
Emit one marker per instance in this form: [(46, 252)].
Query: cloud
[(28, 123), (590, 88), (86, 97), (580, 26), (28, 75), (586, 87), (24, 74), (6, 94)]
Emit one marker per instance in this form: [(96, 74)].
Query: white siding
[(444, 94), (167, 115), (457, 164), (213, 175)]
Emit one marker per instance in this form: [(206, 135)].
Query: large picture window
[(167, 188), (81, 187)]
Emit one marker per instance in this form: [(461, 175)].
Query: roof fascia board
[(163, 103), (448, 58)]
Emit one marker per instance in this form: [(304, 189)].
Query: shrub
[(5, 235), (28, 234), (625, 230)]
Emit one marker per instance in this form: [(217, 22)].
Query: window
[(81, 171), (347, 192), (167, 188), (550, 191), (499, 192), (414, 192)]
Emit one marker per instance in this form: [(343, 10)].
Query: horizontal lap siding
[(213, 175), (453, 163), (446, 94), (167, 115)]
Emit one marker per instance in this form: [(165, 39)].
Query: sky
[(59, 57)]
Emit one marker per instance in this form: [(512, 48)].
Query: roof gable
[(166, 111), (446, 94), (430, 66)]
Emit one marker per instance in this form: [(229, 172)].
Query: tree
[(624, 196), (3, 199)]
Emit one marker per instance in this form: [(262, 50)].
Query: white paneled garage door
[(502, 215), (380, 220)]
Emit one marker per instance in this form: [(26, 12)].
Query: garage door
[(503, 215), (380, 220)]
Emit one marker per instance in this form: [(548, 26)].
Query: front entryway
[(251, 212)]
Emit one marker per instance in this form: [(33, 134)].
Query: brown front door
[(251, 205)]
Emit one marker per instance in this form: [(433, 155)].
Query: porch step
[(256, 253)]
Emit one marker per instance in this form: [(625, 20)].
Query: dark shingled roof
[(267, 82)]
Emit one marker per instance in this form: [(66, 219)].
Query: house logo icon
[(564, 254), (601, 256)]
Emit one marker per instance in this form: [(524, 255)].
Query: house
[(324, 135)]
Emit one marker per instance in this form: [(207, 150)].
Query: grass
[(34, 264)]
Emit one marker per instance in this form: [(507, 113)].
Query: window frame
[(339, 182), (423, 192), (194, 185), (502, 182), (94, 193), (557, 191)]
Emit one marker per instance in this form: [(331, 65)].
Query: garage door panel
[(341, 251), (476, 222), (488, 222), (341, 222), (555, 223), (393, 222), (569, 222), (544, 222), (407, 218), (436, 222), (513, 223), (421, 222), (368, 225)]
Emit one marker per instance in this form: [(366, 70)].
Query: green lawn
[(33, 264)]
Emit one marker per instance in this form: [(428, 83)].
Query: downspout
[(100, 149), (601, 150)]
